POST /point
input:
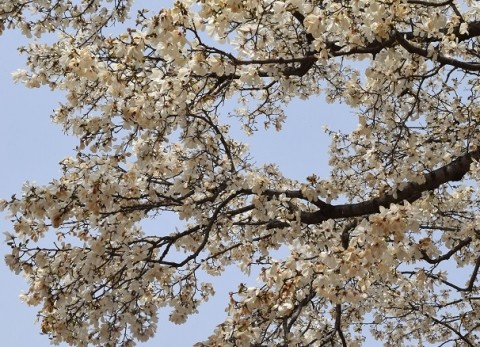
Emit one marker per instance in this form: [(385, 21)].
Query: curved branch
[(411, 48), (453, 171), (447, 255)]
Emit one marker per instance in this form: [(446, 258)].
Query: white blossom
[(366, 245)]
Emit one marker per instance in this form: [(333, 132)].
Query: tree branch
[(411, 48), (447, 255), (338, 324), (453, 171)]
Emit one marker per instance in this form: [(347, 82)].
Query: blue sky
[(31, 147)]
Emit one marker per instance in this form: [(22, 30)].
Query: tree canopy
[(372, 246)]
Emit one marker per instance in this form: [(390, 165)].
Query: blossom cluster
[(366, 247)]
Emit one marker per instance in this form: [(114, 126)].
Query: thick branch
[(411, 48), (411, 192)]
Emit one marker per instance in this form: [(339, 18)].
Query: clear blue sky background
[(31, 147)]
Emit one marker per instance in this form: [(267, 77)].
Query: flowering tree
[(369, 246)]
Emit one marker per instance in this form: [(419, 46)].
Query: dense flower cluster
[(368, 245)]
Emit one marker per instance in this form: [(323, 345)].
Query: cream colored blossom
[(154, 103)]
